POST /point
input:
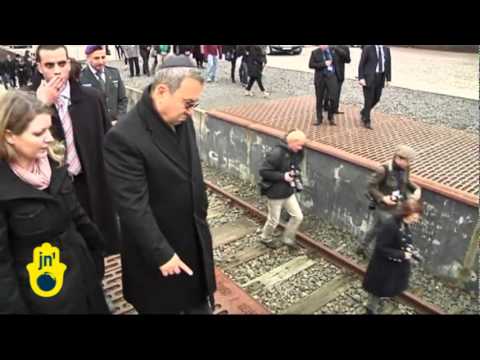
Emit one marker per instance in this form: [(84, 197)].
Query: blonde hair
[(17, 110), (295, 135)]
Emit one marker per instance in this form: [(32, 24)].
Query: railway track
[(310, 279), (253, 279)]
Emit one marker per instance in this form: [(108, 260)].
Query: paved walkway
[(440, 72)]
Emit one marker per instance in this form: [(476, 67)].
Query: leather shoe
[(339, 112)]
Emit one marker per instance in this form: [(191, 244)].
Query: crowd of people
[(17, 71), (80, 172)]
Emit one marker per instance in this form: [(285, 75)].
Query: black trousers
[(326, 87), (372, 95), (145, 58), (134, 62), (339, 94), (13, 80), (234, 65), (243, 72), (252, 80), (202, 309)]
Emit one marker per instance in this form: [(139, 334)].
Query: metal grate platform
[(445, 156)]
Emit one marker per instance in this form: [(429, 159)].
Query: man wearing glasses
[(388, 188), (154, 170)]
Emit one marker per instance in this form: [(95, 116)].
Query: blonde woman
[(38, 206)]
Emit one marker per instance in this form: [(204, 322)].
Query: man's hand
[(48, 92), (328, 62), (288, 178), (388, 200), (174, 267), (408, 255), (416, 195), (362, 82)]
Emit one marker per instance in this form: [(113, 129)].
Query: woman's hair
[(409, 207), (17, 110)]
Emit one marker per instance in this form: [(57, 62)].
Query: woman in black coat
[(256, 60), (388, 272), (46, 266)]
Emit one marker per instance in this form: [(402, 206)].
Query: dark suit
[(325, 80), (158, 187), (114, 92), (375, 82), (90, 123), (341, 56)]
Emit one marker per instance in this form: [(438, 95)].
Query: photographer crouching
[(388, 272), (388, 188), (281, 180)]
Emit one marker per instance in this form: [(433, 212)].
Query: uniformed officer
[(106, 79)]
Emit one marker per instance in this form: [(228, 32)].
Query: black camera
[(416, 255), (372, 204), (297, 183), (396, 196)]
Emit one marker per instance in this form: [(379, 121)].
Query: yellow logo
[(46, 271)]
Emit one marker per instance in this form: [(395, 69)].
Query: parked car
[(284, 49)]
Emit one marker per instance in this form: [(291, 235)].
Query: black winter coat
[(273, 170), (158, 187), (90, 123), (256, 60), (30, 217), (388, 272)]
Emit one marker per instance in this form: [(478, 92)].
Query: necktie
[(380, 59), (100, 80), (328, 56), (74, 166)]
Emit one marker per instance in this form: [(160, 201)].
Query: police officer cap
[(177, 61), (91, 48)]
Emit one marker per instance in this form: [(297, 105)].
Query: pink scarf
[(39, 176)]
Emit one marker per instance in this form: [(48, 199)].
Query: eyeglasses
[(190, 104)]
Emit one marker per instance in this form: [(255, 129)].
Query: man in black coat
[(341, 56), (79, 115), (154, 169), (145, 54), (11, 69), (3, 74), (325, 80), (374, 68)]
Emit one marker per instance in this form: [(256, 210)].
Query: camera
[(372, 204), (415, 253), (396, 196), (296, 184)]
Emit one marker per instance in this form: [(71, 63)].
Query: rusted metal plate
[(230, 299), (447, 157)]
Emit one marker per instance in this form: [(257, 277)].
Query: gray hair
[(172, 77)]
